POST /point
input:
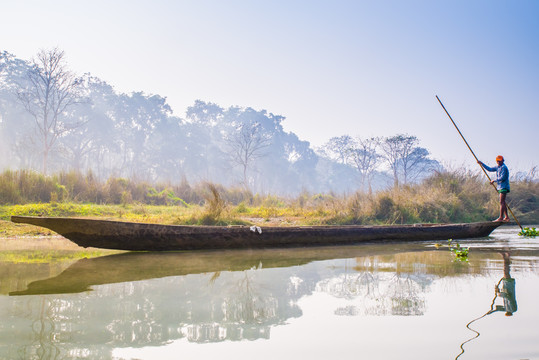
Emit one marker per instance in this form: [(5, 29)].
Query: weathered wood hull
[(155, 237)]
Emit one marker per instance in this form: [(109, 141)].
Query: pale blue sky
[(369, 68)]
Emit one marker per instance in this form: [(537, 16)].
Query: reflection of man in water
[(507, 289), (506, 292)]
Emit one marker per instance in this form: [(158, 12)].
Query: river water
[(386, 301)]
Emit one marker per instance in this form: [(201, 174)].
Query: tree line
[(401, 154), (52, 120)]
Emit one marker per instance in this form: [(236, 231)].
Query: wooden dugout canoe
[(120, 235)]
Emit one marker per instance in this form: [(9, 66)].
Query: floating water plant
[(529, 232), (461, 253)]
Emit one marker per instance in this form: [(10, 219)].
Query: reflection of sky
[(401, 304), (321, 334)]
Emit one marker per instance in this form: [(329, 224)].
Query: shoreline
[(37, 242), (45, 243)]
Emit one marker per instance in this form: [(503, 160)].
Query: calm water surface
[(388, 301)]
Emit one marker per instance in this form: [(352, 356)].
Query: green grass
[(136, 212), (50, 256), (54, 209)]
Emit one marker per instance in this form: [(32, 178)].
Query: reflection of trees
[(252, 305), (208, 307), (44, 329), (211, 305), (387, 294), (350, 284), (235, 306), (379, 289), (48, 329), (405, 295), (241, 305), (246, 310)]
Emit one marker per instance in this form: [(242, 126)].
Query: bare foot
[(506, 220), (498, 219)]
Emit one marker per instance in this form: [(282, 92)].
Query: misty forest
[(72, 138), (52, 120)]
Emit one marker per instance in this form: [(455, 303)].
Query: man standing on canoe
[(502, 184)]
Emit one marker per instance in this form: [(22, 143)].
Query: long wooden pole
[(469, 148)]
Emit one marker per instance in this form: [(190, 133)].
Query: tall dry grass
[(451, 196), (25, 186), (445, 197)]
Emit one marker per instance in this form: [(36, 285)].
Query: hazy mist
[(136, 136)]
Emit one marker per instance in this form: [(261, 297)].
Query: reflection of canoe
[(136, 266), (155, 237)]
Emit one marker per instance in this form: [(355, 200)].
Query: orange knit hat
[(499, 158)]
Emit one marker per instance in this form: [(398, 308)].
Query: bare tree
[(51, 90), (416, 164), (246, 145), (405, 158), (364, 156), (338, 147)]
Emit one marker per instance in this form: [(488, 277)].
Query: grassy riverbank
[(444, 197)]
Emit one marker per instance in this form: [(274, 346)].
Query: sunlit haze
[(368, 68)]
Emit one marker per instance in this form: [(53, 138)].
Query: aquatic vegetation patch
[(461, 253), (529, 232)]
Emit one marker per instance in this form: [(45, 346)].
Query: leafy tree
[(167, 149), (205, 130), (12, 72), (204, 113), (303, 167), (84, 147), (136, 116), (16, 126)]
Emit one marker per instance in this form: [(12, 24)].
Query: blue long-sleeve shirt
[(502, 175)]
